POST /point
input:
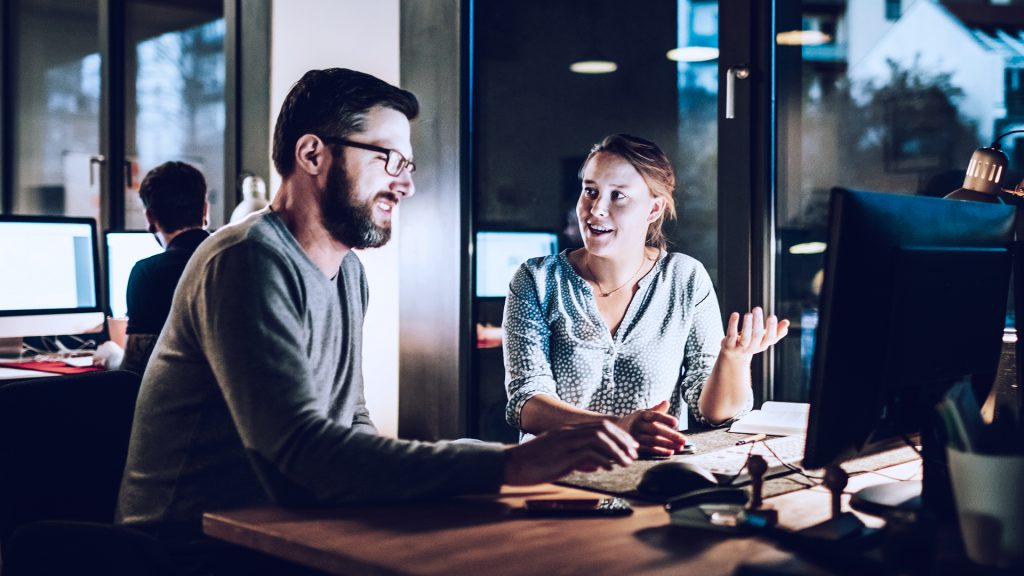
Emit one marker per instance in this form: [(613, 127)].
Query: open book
[(776, 418)]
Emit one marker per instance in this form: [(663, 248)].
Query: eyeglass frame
[(403, 162)]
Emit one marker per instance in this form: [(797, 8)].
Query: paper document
[(776, 418)]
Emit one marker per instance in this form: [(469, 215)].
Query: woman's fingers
[(663, 430), (756, 333), (652, 441), (771, 330), (656, 451), (651, 416), (783, 330), (732, 329), (757, 336), (745, 336)]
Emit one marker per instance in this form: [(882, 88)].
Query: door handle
[(731, 75), (94, 161)]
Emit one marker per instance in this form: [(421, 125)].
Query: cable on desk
[(815, 480), (744, 467)]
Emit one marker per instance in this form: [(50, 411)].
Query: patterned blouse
[(557, 343)]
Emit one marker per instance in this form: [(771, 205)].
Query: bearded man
[(255, 390)]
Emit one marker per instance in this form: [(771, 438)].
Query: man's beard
[(348, 222)]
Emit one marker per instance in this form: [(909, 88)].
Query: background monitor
[(124, 249), (914, 299), (49, 271), (499, 255)]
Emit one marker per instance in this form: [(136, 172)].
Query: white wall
[(361, 35)]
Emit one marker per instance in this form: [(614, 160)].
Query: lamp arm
[(1004, 134)]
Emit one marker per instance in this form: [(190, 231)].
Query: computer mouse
[(674, 478)]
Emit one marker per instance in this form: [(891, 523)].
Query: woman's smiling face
[(615, 207)]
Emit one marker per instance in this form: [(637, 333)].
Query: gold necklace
[(606, 293)]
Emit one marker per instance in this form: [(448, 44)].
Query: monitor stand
[(930, 497), (840, 540), (10, 348), (881, 499), (843, 526)]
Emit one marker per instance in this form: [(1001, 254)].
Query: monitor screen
[(124, 249), (499, 255), (48, 266), (914, 299)]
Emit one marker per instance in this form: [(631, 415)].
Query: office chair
[(63, 446)]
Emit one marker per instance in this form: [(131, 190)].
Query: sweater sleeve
[(248, 316), (361, 421)]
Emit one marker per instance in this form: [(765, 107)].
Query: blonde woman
[(622, 329)]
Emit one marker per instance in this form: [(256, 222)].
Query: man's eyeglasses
[(396, 163)]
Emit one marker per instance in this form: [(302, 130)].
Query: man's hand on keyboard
[(586, 447), (654, 430)]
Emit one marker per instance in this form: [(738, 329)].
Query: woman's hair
[(653, 166)]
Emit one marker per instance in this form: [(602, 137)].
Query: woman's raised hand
[(756, 335)]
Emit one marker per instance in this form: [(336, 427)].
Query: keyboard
[(728, 464)]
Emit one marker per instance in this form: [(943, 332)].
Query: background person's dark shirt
[(153, 280)]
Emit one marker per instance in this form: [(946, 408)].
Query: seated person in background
[(621, 328), (255, 393), (174, 195)]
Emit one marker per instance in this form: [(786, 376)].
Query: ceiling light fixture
[(594, 67), (808, 248), (802, 38), (693, 54)]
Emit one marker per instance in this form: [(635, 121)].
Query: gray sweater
[(255, 393)]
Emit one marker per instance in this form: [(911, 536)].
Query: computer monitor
[(124, 249), (48, 266), (914, 299), (499, 255)]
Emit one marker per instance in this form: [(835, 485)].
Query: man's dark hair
[(175, 194), (333, 102)]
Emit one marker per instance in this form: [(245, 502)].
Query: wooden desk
[(487, 535)]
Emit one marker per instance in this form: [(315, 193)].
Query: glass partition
[(175, 96), (884, 96), (56, 108)]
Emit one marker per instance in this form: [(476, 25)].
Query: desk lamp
[(984, 173), (254, 198), (982, 184)]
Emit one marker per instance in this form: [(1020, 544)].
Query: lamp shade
[(254, 198), (981, 183)]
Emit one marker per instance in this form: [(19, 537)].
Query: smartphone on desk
[(578, 507)]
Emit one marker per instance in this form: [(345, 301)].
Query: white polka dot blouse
[(557, 343)]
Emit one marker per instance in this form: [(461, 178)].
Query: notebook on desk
[(775, 418)]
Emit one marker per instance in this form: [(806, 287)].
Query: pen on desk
[(752, 439)]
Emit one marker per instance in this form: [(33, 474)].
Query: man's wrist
[(510, 465)]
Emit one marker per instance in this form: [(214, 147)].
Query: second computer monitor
[(499, 255), (914, 299), (48, 276), (124, 249)]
